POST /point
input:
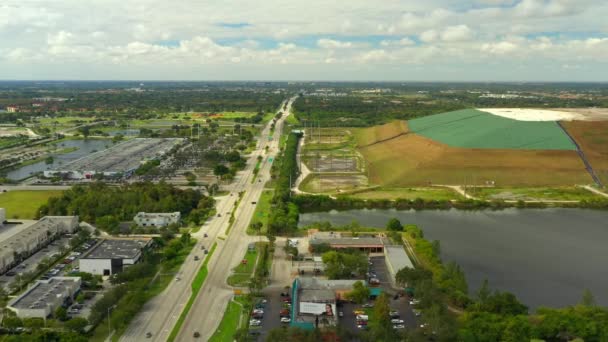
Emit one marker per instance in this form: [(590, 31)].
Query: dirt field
[(331, 163), (327, 136), (331, 183), (368, 136), (592, 138), (414, 160)]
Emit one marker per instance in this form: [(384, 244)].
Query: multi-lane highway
[(159, 316)]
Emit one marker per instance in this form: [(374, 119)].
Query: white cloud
[(333, 44), (158, 36)]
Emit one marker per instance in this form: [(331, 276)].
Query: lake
[(85, 147), (546, 257)]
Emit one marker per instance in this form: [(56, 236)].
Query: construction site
[(120, 160)]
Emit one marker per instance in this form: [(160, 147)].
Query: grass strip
[(197, 284)]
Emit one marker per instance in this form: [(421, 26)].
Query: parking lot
[(30, 264), (272, 313)]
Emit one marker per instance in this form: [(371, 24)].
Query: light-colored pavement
[(207, 311), (160, 314)]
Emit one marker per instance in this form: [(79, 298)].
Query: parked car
[(258, 311), (10, 273), (397, 321), (361, 322), (414, 302), (368, 305), (255, 322), (284, 312), (285, 319), (417, 313), (399, 326), (362, 317), (358, 312)]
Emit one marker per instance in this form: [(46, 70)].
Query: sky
[(378, 40)]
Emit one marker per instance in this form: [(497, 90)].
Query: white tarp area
[(532, 114)]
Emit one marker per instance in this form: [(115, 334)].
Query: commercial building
[(364, 243), (20, 240), (396, 259), (120, 160), (112, 256), (44, 297), (314, 301), (156, 219)]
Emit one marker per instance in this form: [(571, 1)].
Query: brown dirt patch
[(375, 134), (414, 160), (592, 137)]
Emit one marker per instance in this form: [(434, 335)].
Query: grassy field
[(368, 136), (409, 193), (532, 194), (243, 272), (233, 315), (333, 183), (262, 211), (25, 204), (592, 137), (470, 128), (413, 160)]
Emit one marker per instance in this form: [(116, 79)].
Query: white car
[(399, 326), (397, 321), (362, 317), (285, 319), (414, 302), (258, 311), (255, 322), (417, 313)]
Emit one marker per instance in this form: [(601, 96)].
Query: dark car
[(10, 273)]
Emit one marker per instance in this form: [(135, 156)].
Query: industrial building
[(314, 301), (44, 297), (396, 259), (112, 256), (20, 240), (365, 243), (156, 219), (120, 160)]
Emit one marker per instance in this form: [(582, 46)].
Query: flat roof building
[(396, 259), (314, 301), (112, 256), (23, 239), (44, 297), (364, 243), (143, 219)]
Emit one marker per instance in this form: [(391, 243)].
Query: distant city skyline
[(314, 40)]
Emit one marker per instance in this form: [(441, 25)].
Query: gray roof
[(348, 241), (397, 257), (317, 295), (117, 249), (42, 292)]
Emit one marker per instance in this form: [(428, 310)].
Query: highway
[(161, 313)]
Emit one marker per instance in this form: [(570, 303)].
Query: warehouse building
[(157, 219), (365, 243), (396, 259), (112, 256), (19, 241), (120, 160), (44, 297), (314, 301)]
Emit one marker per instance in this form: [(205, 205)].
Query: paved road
[(160, 314), (209, 306)]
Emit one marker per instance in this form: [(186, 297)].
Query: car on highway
[(148, 334), (206, 235), (196, 334), (196, 258)]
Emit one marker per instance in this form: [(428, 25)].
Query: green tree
[(221, 170), (12, 322), (61, 313), (359, 294), (77, 324), (381, 328), (394, 225), (587, 299)]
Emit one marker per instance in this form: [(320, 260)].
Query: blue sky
[(485, 40)]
